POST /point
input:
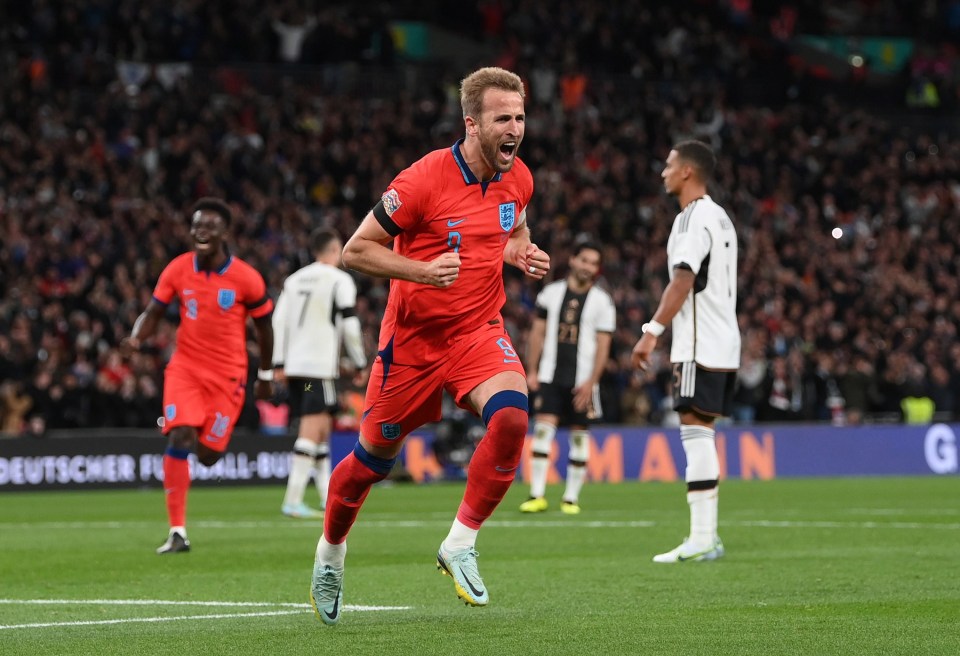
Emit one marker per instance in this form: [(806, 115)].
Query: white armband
[(655, 328), (265, 375)]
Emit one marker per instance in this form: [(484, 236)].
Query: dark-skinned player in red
[(205, 381)]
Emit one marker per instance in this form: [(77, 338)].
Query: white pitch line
[(162, 602), (152, 602), (389, 524), (301, 608), (218, 616), (572, 524), (826, 524)]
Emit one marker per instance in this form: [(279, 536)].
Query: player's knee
[(208, 457), (508, 409), (703, 464), (380, 467), (505, 415), (579, 446), (511, 423), (182, 437), (543, 434)]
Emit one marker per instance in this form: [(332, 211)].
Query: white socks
[(543, 434), (703, 466), (459, 538), (331, 554), (577, 473), (703, 516), (301, 466), (322, 471)]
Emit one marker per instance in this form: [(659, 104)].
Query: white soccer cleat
[(326, 593), (300, 511), (461, 566), (177, 542), (688, 552)]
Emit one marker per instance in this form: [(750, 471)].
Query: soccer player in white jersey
[(315, 309), (700, 304), (567, 352)]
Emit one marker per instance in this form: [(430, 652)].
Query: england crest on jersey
[(508, 216), (226, 298)]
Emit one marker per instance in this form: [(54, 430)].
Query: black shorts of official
[(705, 391), (312, 396), (553, 399)]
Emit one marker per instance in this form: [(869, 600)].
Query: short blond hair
[(474, 85)]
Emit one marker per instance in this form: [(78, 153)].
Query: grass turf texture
[(819, 566)]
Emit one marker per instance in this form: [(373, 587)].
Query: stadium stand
[(115, 116)]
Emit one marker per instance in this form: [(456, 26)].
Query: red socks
[(350, 483), (176, 484), (493, 466)]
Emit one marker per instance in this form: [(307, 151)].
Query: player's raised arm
[(366, 251)]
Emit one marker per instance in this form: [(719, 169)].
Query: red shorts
[(402, 397), (210, 403)]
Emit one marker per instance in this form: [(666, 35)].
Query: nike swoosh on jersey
[(452, 224)]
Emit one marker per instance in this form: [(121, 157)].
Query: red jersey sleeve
[(407, 196), (168, 283), (258, 303)]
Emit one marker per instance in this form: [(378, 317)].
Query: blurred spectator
[(293, 29), (750, 379), (14, 405), (782, 398), (858, 387), (848, 220)]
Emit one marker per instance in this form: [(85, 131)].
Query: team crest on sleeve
[(391, 201), (508, 216), (226, 298), (170, 412)]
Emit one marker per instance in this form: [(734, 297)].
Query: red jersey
[(435, 206), (213, 311)]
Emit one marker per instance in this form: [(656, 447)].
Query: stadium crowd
[(849, 296)]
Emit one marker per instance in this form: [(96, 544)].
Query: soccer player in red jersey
[(205, 381), (454, 217)]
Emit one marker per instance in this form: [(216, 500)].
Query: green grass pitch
[(813, 566)]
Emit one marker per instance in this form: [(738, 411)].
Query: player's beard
[(582, 278), (490, 150)]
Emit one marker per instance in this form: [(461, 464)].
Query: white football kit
[(705, 330), (309, 320), (598, 314)]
